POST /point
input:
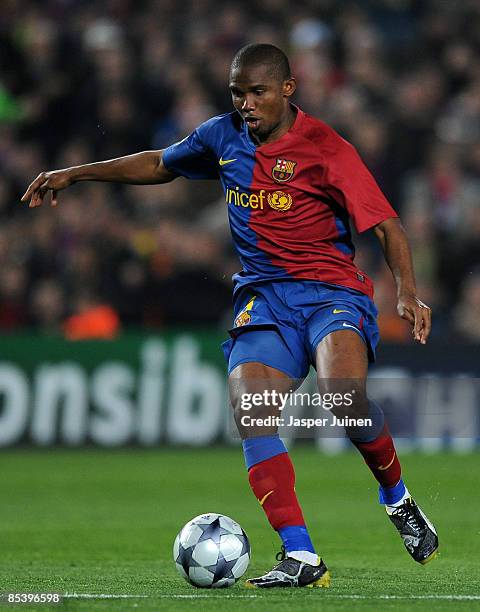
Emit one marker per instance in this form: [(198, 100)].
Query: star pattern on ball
[(222, 568), (185, 558), (213, 531), (213, 540)]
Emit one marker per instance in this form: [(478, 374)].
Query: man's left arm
[(398, 256)]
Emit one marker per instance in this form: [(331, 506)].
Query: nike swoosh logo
[(264, 498), (222, 162), (336, 311), (352, 326), (385, 467)]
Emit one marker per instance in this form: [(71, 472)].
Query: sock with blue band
[(393, 496), (272, 479), (296, 538), (258, 449), (380, 454)]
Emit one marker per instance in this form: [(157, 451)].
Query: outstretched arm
[(397, 254), (145, 168)]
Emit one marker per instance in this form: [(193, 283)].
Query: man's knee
[(254, 396), (254, 411), (344, 395)]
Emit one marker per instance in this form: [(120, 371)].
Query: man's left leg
[(342, 364)]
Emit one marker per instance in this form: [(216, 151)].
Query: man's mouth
[(252, 121)]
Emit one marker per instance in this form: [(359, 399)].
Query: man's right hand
[(52, 181), (144, 168)]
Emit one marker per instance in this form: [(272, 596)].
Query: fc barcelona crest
[(244, 317), (283, 170)]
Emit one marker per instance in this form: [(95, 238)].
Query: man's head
[(261, 85)]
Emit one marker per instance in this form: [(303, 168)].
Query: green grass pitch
[(98, 522)]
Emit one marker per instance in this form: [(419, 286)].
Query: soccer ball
[(211, 551)]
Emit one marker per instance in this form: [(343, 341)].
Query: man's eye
[(259, 92)]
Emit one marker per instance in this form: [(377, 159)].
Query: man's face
[(261, 98)]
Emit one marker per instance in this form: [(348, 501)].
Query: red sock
[(273, 483), (381, 458)]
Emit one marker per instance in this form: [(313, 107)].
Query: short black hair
[(263, 54)]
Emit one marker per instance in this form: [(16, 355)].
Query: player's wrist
[(75, 173), (409, 291), (86, 172)]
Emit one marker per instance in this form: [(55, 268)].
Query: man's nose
[(248, 103)]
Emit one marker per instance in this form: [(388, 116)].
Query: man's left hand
[(412, 309)]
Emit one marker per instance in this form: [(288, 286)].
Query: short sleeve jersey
[(289, 202)]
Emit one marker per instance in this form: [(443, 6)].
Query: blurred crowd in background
[(82, 81)]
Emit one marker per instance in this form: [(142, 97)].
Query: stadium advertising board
[(171, 389)]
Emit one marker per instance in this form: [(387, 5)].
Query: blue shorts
[(291, 318)]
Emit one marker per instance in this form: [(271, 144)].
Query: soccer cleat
[(418, 534), (292, 573)]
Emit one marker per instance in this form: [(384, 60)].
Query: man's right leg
[(272, 477)]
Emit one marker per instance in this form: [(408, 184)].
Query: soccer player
[(291, 186)]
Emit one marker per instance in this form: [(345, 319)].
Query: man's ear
[(289, 87)]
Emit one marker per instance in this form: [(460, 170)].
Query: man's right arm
[(145, 168)]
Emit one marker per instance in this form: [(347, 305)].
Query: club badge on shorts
[(283, 170), (244, 317)]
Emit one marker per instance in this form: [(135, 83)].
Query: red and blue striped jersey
[(290, 201)]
